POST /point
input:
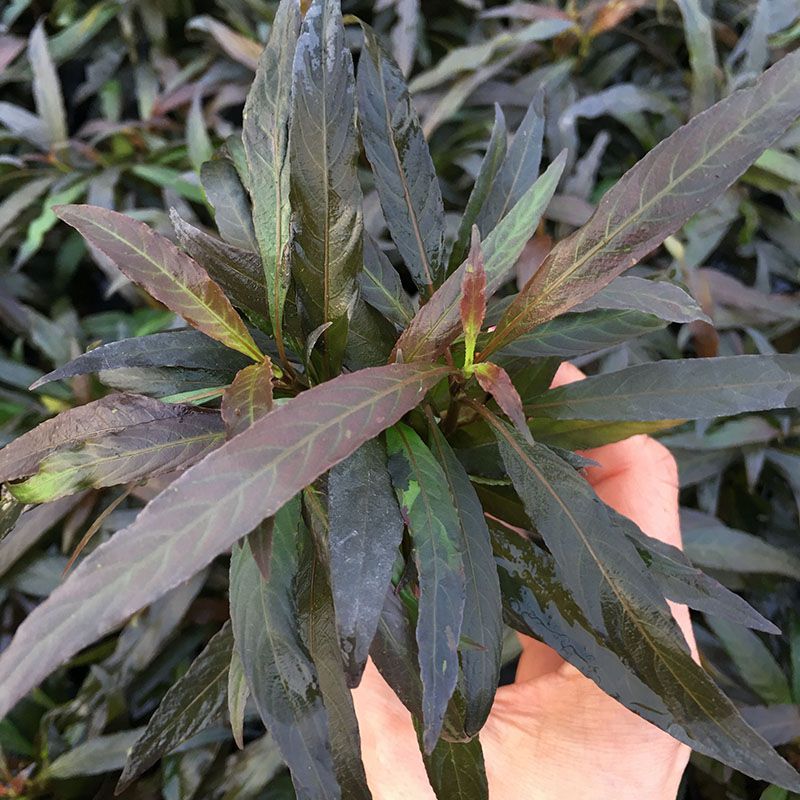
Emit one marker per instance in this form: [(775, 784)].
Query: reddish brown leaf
[(159, 267), (208, 508), (71, 428), (495, 381), (676, 179), (248, 398)]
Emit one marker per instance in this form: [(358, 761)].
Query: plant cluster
[(367, 422)]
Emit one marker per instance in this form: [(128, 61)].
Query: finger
[(389, 749)]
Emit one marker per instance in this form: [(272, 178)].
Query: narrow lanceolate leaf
[(660, 298), (624, 607), (698, 388), (594, 558), (248, 398), (187, 349), (753, 660), (365, 529), (230, 202), (326, 250), (572, 335), (174, 437), (433, 524), (495, 381), (237, 271), (456, 770), (265, 136), (401, 162), (238, 693), (672, 182), (94, 421), (169, 275), (280, 673), (438, 322), (682, 582), (495, 153), (712, 545), (318, 626), (47, 89), (206, 510), (483, 621), (520, 168), (195, 702), (473, 299), (381, 286)]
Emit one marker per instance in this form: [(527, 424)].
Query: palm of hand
[(553, 734)]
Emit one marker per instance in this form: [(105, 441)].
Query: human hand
[(553, 734)]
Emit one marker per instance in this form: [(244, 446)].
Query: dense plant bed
[(332, 432)]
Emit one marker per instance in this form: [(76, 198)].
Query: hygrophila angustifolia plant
[(370, 456)]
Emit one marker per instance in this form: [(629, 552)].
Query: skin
[(553, 734)]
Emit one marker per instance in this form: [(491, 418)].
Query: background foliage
[(119, 104)]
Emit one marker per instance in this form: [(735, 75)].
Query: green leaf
[(683, 583), (433, 524), (437, 323), (198, 142), (238, 693), (173, 179), (238, 272), (483, 621), (753, 660), (193, 703), (456, 770), (266, 140), (169, 275), (47, 89), (32, 524), (712, 545), (520, 167), (702, 54), (676, 179), (662, 685), (698, 388), (279, 671), (365, 531), (381, 286), (401, 162), (326, 248), (230, 202), (248, 398), (318, 623), (143, 439), (495, 153), (206, 510), (95, 756)]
